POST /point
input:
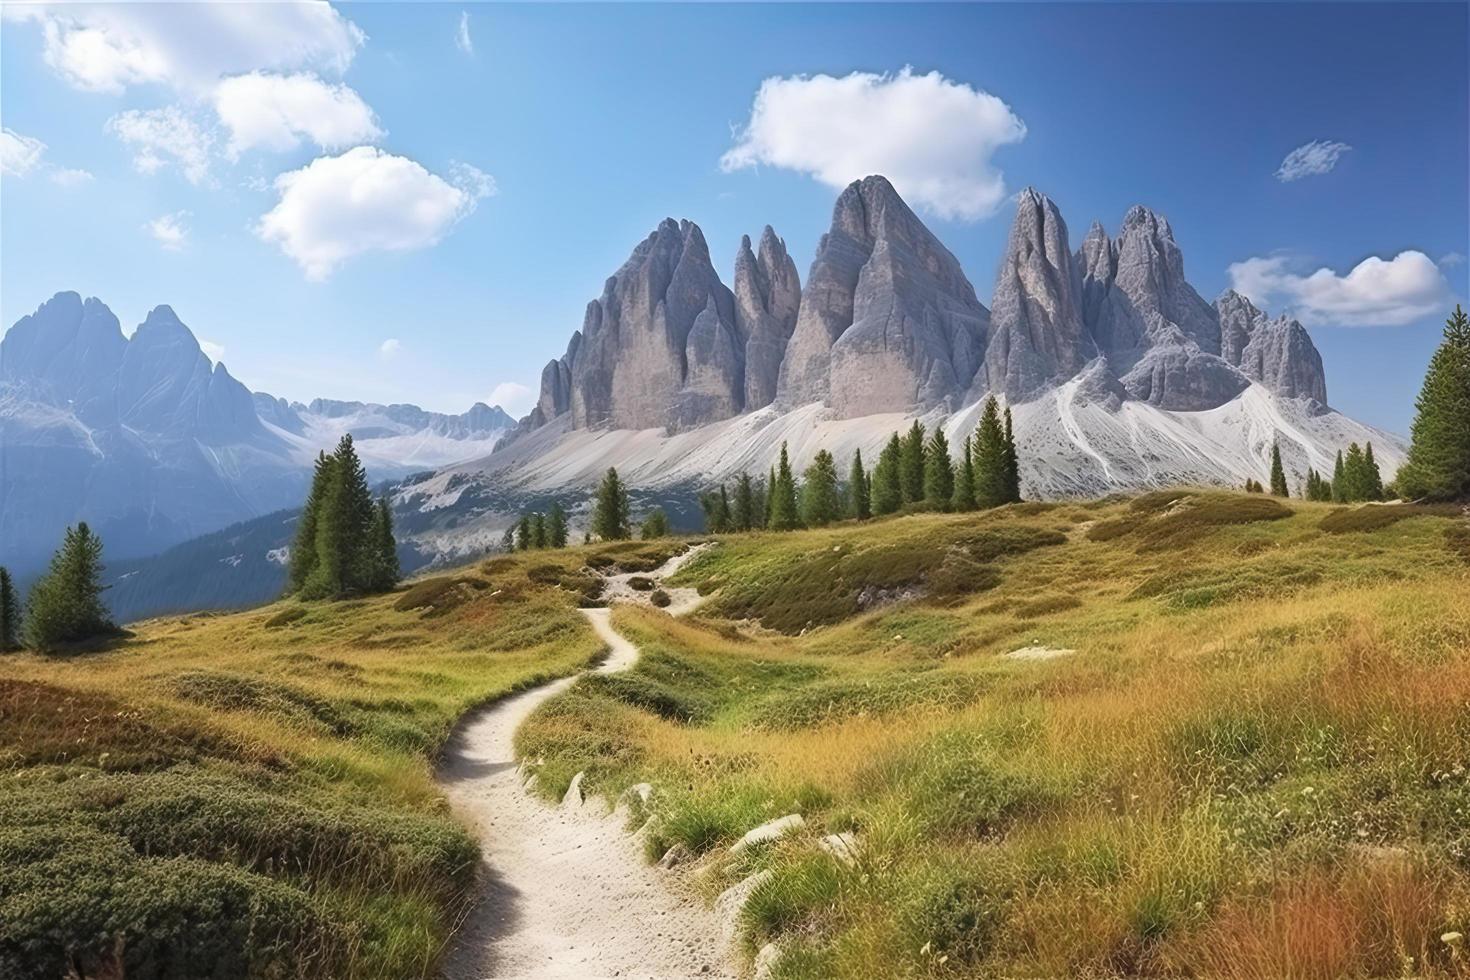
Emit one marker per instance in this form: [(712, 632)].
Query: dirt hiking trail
[(566, 891)]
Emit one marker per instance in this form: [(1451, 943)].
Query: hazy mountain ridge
[(153, 444)]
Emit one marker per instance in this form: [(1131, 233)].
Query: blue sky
[(532, 160)]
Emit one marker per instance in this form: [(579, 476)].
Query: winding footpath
[(566, 891)]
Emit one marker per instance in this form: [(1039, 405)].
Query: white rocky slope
[(1073, 445)]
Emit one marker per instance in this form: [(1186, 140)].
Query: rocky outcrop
[(1161, 338), (1037, 337), (767, 298), (888, 321), (1278, 353), (660, 347)]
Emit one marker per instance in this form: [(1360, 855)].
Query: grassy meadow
[(1255, 762), (252, 793)]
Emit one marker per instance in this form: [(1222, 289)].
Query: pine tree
[(964, 479), (1012, 463), (385, 568), (610, 515), (523, 533), (303, 547), (9, 613), (1339, 480), (859, 494), (745, 514), (1372, 478), (655, 525), (66, 606), (1354, 478), (345, 555), (820, 503), (716, 507), (1278, 474), (887, 484), (538, 530), (938, 472), (1438, 464), (991, 480), (556, 526), (784, 515), (768, 492), (911, 465)]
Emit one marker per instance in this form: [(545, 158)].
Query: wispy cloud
[(462, 39), (169, 230), (389, 348), (159, 137), (19, 155), (1310, 160), (512, 396)]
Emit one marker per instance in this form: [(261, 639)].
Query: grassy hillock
[(252, 794), (1236, 741)]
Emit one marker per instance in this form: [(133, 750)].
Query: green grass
[(252, 794), (1256, 763)]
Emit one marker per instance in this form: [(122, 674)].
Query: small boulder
[(770, 831), (765, 961), (732, 901), (843, 846), (573, 797), (675, 855)]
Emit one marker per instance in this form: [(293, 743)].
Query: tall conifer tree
[(820, 504), (938, 472), (784, 514), (964, 479), (610, 515), (1278, 473), (859, 494), (887, 485), (66, 606), (768, 495), (1339, 480), (1012, 463), (911, 464), (992, 485), (744, 517), (556, 528), (1438, 465), (9, 613), (303, 547)]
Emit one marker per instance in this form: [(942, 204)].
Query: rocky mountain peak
[(1278, 353), (767, 297), (1037, 335)]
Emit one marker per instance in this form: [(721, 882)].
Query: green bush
[(238, 692)]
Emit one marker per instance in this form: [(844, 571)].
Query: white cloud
[(364, 200), (1451, 259), (106, 47), (1376, 293), (159, 136), (388, 348), (67, 177), (1310, 160), (169, 230), (278, 111), (472, 180), (462, 36), (19, 155), (512, 396), (215, 352), (932, 137)]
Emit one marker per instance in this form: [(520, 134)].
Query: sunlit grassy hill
[(1193, 733), (252, 794)]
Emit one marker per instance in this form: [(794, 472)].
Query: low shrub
[(1372, 517), (286, 617), (640, 583), (660, 599), (439, 595), (238, 692)]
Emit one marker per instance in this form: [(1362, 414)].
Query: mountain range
[(1118, 373), (153, 444)]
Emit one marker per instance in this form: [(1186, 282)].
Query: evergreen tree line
[(1355, 478), (65, 606), (344, 541), (916, 470), (539, 530)]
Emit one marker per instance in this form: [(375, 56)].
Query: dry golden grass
[(1257, 763)]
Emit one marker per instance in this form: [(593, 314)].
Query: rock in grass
[(769, 831), (675, 855), (843, 846), (732, 901), (573, 797), (765, 961)]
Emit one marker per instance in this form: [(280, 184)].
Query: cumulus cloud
[(279, 111), (1375, 293), (107, 47), (1310, 160), (462, 36), (364, 200), (512, 396), (932, 137), (159, 137), (388, 348), (19, 155), (169, 230)]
